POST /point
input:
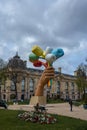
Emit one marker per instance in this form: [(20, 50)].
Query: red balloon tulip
[(37, 63)]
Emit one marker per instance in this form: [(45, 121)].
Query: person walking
[(70, 102)]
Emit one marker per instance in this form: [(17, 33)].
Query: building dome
[(16, 62)]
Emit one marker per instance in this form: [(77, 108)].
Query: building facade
[(21, 83)]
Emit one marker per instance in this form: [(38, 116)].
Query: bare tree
[(2, 73), (81, 80)]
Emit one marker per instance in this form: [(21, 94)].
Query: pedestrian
[(37, 107), (70, 102)]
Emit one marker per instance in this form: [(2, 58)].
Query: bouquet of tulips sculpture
[(49, 55)]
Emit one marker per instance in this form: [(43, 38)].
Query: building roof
[(16, 62)]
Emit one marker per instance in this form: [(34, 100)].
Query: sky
[(46, 23)]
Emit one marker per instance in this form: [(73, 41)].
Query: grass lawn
[(10, 121)]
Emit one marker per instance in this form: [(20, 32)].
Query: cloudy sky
[(54, 23)]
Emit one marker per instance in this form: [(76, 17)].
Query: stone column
[(19, 90)]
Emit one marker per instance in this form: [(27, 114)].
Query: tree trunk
[(84, 94), (16, 92)]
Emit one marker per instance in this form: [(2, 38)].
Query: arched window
[(31, 84), (22, 97), (23, 85)]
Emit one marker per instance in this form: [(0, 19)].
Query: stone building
[(21, 81)]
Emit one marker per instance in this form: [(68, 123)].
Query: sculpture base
[(38, 99)]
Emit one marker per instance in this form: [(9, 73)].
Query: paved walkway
[(60, 109)]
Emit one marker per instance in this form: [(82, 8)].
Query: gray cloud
[(54, 23)]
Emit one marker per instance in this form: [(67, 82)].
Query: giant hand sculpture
[(47, 74), (50, 55)]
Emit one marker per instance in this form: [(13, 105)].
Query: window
[(23, 84), (58, 87), (31, 84), (4, 96), (4, 88), (12, 86), (73, 97), (66, 85), (72, 85), (22, 97)]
